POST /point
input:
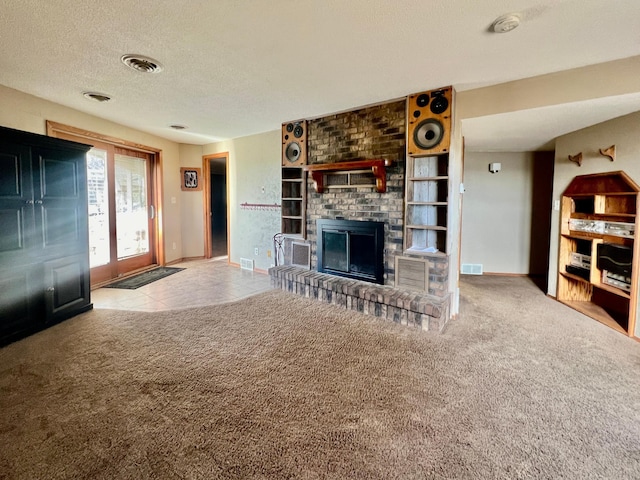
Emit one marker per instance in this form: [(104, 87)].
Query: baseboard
[(173, 262), (258, 270), (498, 274)]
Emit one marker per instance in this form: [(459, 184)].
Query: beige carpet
[(280, 387)]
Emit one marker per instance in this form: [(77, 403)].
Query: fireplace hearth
[(352, 249)]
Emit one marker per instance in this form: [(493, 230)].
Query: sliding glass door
[(134, 213), (121, 211)]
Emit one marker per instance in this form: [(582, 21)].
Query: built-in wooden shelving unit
[(426, 204), (597, 263), (294, 188)]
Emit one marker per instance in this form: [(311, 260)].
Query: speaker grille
[(439, 104), (294, 143), (429, 122), (293, 152), (428, 134)]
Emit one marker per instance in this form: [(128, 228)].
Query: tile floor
[(203, 282)]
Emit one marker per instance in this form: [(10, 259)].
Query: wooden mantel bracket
[(377, 166), (609, 152), (576, 159)]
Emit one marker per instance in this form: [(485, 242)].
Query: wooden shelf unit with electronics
[(597, 261)]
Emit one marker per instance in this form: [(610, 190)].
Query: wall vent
[(301, 255), (412, 273), (471, 269), (246, 264)]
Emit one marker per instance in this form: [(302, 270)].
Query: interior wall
[(497, 211), (624, 133), (254, 178), (192, 206), (26, 112)]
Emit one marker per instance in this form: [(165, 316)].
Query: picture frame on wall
[(191, 179)]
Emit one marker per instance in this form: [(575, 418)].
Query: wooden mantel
[(377, 165)]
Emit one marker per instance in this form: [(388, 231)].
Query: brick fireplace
[(376, 132)]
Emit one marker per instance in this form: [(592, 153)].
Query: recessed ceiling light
[(179, 127), (505, 23), (141, 63), (98, 97)]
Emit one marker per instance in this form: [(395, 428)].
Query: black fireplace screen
[(353, 249)]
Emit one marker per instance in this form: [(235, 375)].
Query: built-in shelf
[(426, 205), (293, 201), (597, 261), (376, 165)]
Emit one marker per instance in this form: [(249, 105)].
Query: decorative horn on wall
[(609, 152), (576, 159)]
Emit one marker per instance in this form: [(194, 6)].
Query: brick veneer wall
[(372, 132)]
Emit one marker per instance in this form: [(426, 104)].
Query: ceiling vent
[(97, 97), (505, 23), (141, 63)]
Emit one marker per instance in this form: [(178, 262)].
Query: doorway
[(122, 191), (216, 209)]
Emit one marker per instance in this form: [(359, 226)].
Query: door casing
[(206, 200)]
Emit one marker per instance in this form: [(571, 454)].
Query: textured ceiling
[(238, 67)]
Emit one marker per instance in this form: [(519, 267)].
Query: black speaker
[(294, 143), (429, 122)]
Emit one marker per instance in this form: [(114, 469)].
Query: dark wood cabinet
[(44, 244)]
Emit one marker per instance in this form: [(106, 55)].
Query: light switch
[(556, 205)]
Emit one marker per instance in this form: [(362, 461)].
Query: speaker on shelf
[(429, 122), (294, 143)]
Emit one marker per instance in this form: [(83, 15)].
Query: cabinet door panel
[(58, 176), (67, 286), (16, 202), (19, 302), (60, 211), (60, 226), (12, 232)]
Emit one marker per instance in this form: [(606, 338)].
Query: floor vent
[(471, 269), (246, 264)]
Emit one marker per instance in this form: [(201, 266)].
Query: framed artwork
[(191, 178)]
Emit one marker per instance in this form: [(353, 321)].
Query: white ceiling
[(238, 67)]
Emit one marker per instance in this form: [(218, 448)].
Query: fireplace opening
[(353, 249)]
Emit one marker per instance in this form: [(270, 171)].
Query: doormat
[(145, 278)]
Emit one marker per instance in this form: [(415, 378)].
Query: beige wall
[(254, 177), (29, 113), (496, 217), (191, 206)]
